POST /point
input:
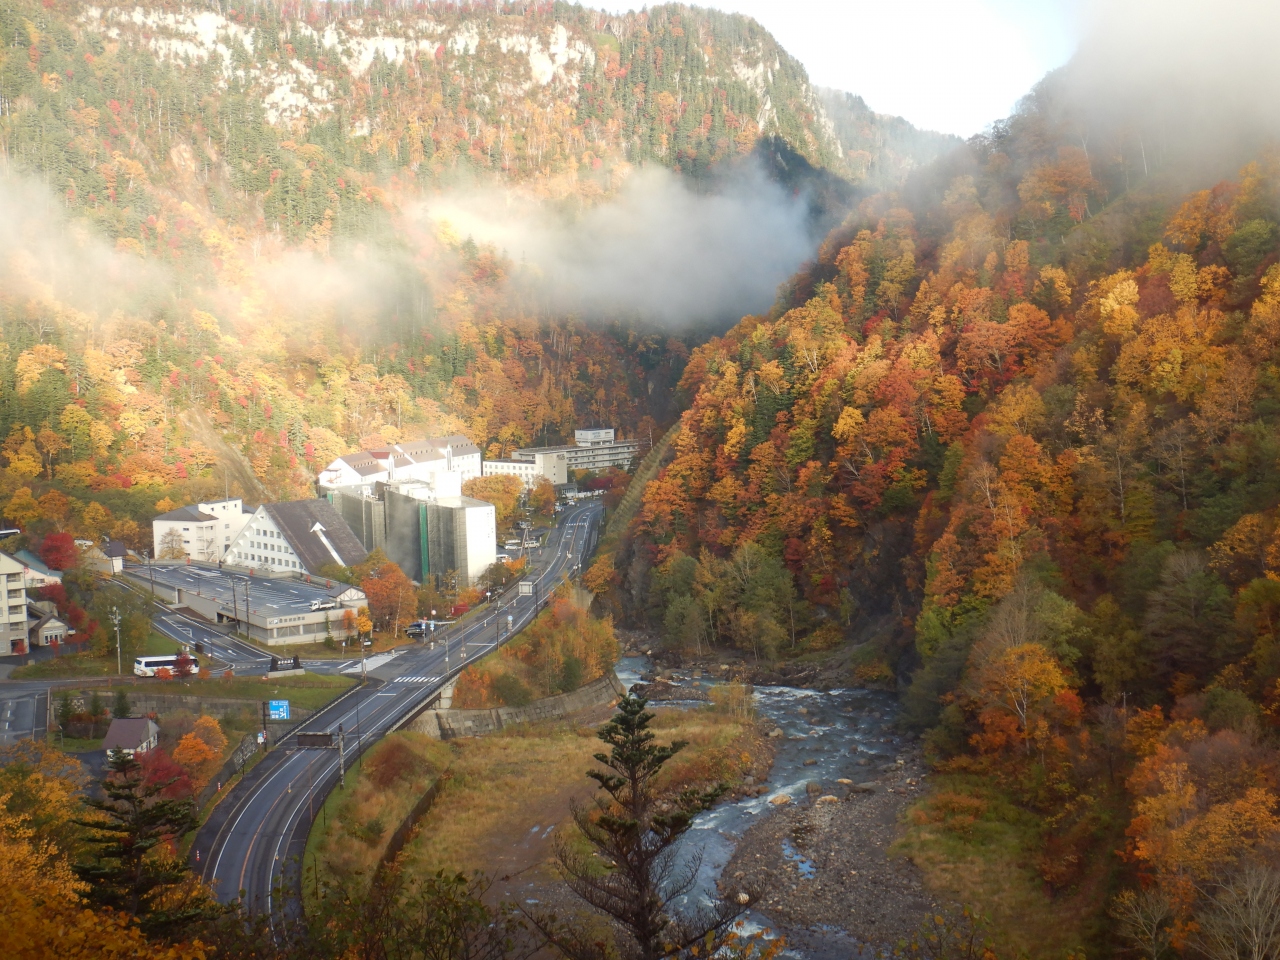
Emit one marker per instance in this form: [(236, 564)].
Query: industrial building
[(413, 460), (423, 529)]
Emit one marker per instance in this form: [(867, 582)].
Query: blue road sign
[(278, 709)]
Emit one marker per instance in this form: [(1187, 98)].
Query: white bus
[(150, 666)]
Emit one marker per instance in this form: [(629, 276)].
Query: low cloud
[(1201, 80), (656, 250)]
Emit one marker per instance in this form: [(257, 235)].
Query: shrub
[(956, 812), (737, 700), (511, 690), (392, 761), (571, 674)]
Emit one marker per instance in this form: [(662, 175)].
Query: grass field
[(311, 691), (319, 651), (509, 795), (83, 665)]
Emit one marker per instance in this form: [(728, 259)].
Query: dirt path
[(825, 869), (196, 420)]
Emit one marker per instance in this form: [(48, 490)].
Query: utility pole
[(342, 760), (115, 618)]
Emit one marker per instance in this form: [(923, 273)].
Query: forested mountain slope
[(1015, 433), (223, 206), (876, 149)]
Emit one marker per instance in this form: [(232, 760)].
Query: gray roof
[(187, 515), (129, 733), (34, 627), (298, 519)]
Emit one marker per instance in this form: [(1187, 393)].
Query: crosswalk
[(416, 680)]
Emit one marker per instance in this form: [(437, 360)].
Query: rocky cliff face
[(524, 94)]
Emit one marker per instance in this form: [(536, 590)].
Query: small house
[(132, 735), (45, 628)]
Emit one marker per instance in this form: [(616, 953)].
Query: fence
[(235, 763)]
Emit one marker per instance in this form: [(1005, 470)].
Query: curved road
[(251, 844)]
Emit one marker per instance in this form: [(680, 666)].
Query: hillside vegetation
[(1016, 434)]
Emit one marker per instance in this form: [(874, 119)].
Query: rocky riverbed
[(814, 837), (824, 867)]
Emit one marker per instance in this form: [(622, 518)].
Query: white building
[(594, 449), (554, 466), (202, 532), (594, 436), (13, 619), (414, 460), (297, 537)]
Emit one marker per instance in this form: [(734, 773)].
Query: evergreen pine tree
[(636, 829), (130, 868)]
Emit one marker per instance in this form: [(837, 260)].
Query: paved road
[(24, 709), (251, 844)]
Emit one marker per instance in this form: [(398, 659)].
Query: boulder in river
[(813, 788), (661, 690), (776, 732), (781, 800)]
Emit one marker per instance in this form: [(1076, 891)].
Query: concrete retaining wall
[(452, 724)]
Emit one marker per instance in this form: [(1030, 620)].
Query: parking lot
[(269, 609)]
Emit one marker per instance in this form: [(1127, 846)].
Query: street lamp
[(115, 618)]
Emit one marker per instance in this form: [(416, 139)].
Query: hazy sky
[(950, 65)]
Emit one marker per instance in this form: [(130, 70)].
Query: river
[(833, 729)]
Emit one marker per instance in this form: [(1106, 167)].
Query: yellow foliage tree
[(210, 731), (192, 752)]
